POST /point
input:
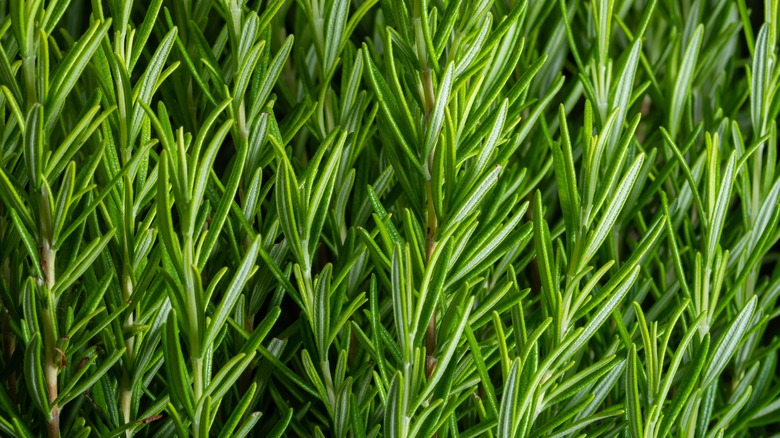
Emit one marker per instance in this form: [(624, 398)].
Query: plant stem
[(197, 377), (196, 355), (50, 368), (126, 390), (430, 246), (125, 399), (51, 356), (197, 372), (28, 65), (430, 239)]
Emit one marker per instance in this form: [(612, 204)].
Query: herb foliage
[(389, 218)]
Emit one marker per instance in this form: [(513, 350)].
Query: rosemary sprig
[(389, 218)]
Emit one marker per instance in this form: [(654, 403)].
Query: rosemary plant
[(393, 218)]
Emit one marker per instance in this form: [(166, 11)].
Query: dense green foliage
[(389, 218)]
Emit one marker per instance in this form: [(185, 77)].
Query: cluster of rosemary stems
[(397, 218)]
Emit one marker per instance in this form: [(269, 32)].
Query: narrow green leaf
[(728, 343), (70, 68), (85, 385), (604, 310), (634, 408), (476, 196), (29, 243), (718, 216), (271, 77), (622, 94), (438, 115), (543, 246), (687, 385), (82, 263), (508, 415), (613, 210), (147, 84), (33, 371), (33, 145), (760, 81), (245, 270), (683, 81), (394, 421), (336, 22), (731, 412)]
